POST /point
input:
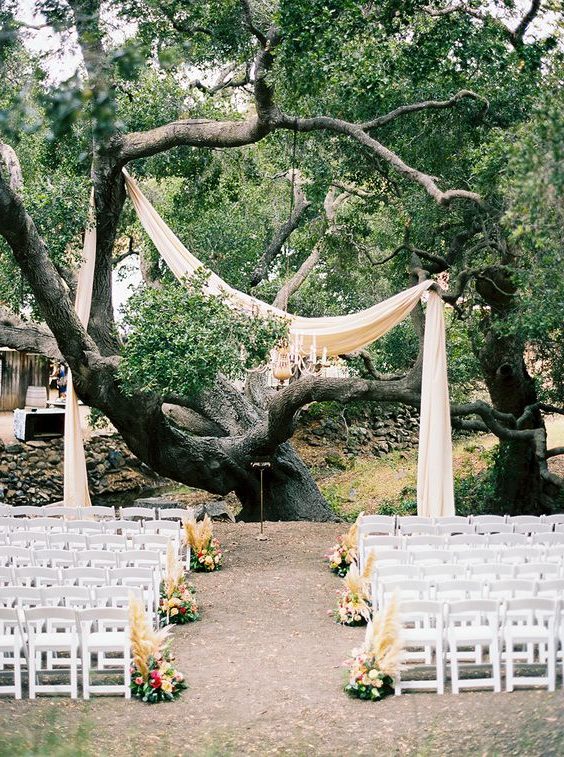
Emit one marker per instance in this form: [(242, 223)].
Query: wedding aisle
[(265, 676)]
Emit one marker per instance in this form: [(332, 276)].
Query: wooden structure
[(18, 370)]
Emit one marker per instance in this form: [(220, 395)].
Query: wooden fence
[(18, 370)]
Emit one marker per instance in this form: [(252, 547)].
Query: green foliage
[(178, 339)]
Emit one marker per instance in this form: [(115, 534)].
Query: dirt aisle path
[(265, 675)]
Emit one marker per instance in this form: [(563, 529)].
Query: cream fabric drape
[(76, 492), (336, 335), (435, 489)]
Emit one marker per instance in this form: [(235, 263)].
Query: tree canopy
[(321, 155)]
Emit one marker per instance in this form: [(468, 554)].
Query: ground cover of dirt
[(265, 674)]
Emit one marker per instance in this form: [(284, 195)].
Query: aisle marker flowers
[(206, 554), (373, 668), (353, 607), (345, 551), (177, 603), (153, 675)]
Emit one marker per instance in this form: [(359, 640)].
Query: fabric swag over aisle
[(337, 335)]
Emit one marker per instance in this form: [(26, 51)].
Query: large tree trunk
[(519, 487)]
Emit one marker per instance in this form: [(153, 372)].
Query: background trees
[(427, 141)]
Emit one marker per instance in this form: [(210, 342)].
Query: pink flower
[(156, 679), (139, 680)]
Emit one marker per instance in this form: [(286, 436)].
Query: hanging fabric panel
[(435, 489), (337, 335), (76, 492)]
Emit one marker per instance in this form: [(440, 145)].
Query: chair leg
[(551, 665), (86, 674), (509, 666), (74, 674), (32, 664), (17, 674), (440, 660), (454, 669), (127, 672), (397, 685), (495, 660)]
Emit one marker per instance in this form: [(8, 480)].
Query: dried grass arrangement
[(177, 601), (345, 551), (353, 605), (206, 554), (153, 676), (372, 670)]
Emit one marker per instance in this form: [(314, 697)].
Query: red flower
[(182, 610), (156, 679)]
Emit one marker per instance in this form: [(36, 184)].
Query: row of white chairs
[(367, 527), (19, 557), (78, 541), (96, 511), (473, 633), (520, 557), (56, 641), (457, 520), (56, 525), (445, 588), (458, 541)]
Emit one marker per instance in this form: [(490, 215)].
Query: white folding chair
[(143, 513), (508, 539), (60, 511), (26, 511), (69, 541), (102, 511), (52, 630), (523, 519), (7, 575), (422, 636), (519, 555), (474, 623), (156, 542), (489, 519), (549, 538), (404, 588), (373, 525), (126, 528), (22, 596), (531, 621), (103, 631), (169, 528), (97, 558), (452, 529), (116, 595), (424, 542), (84, 576), (551, 588), (111, 542), (85, 526), (18, 557), (555, 518), (488, 572), (54, 558), (539, 527), (453, 520), (443, 572), (431, 557), (418, 529), (47, 525), (511, 588), (457, 589), (493, 527), (77, 597), (420, 520), (386, 557), (391, 572), (467, 541), (29, 539), (176, 513), (538, 570), (11, 650), (37, 576), (147, 579)]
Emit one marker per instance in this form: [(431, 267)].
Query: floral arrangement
[(353, 606), (373, 668), (153, 675), (345, 551), (177, 603), (206, 554)]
